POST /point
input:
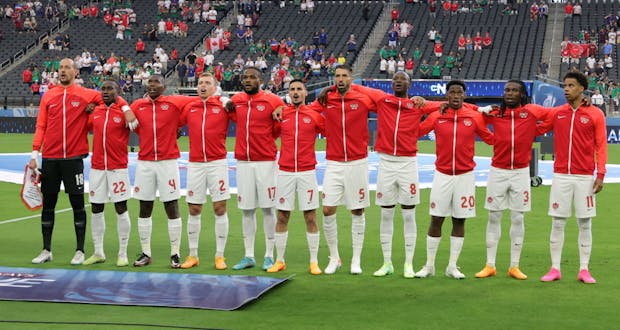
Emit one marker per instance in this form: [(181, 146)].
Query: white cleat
[(356, 269), (454, 272), (78, 258), (44, 256), (426, 271), (332, 266)]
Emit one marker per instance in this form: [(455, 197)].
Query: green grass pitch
[(341, 300)]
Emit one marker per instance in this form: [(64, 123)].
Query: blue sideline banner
[(219, 292), (547, 95), (437, 88)]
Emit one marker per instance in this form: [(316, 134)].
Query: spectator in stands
[(461, 43), (409, 65), (438, 50), (450, 60), (139, 46), (341, 59), (425, 70), (351, 44), (436, 70), (543, 69), (391, 67), (454, 8), (432, 8), (431, 34), (161, 26), (487, 41), (577, 10), (181, 69), (607, 49), (609, 64), (478, 41), (447, 6), (27, 76), (568, 9), (543, 10), (598, 100)]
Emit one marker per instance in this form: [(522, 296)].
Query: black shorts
[(69, 171)]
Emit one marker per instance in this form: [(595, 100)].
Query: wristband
[(125, 108), (35, 154)]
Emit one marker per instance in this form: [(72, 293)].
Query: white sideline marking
[(35, 216)]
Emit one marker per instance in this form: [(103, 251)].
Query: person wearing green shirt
[(450, 60), (252, 48), (36, 74), (260, 47), (417, 54), (383, 52), (393, 52), (592, 81), (436, 70), (615, 95), (424, 70), (227, 78), (56, 64)]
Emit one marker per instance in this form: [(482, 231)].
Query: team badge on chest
[(117, 119), (467, 122), (584, 120), (260, 107)]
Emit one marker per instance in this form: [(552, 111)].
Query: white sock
[(585, 241), (123, 226), (432, 244), (358, 226), (517, 232), (494, 232), (145, 227), (97, 229), (175, 228), (249, 231), (386, 232), (193, 233), (313, 245), (221, 234), (330, 229), (281, 244), (556, 241), (269, 226), (411, 233), (456, 245)]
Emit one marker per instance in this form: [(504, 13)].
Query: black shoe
[(143, 260), (175, 261)]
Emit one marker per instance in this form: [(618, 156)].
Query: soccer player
[(508, 187), (580, 139), (62, 131), (207, 124), (255, 152), (299, 128), (453, 189), (157, 168), (346, 176), (109, 177)]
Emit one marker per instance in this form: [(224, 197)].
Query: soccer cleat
[(175, 261), (94, 259), (487, 271), (44, 256), (426, 271), (356, 268), (267, 263), (277, 267), (143, 260), (408, 271), (585, 277), (122, 261), (246, 262), (386, 269), (78, 258), (553, 275), (333, 265), (190, 262), (314, 269), (454, 272), (220, 263), (515, 272)]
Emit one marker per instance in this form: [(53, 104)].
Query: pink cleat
[(585, 277), (553, 275)]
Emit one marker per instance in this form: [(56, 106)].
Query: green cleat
[(94, 259), (246, 262), (386, 269), (408, 271), (122, 262)]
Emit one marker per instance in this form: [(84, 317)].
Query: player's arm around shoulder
[(481, 128), (428, 124)]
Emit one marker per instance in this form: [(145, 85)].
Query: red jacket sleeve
[(481, 128), (600, 144), (316, 106), (428, 124), (41, 126)]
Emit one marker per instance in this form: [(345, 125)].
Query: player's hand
[(34, 159), (130, 119), (179, 131), (322, 98), (89, 108), (586, 101), (277, 113), (443, 108), (490, 110), (419, 101), (598, 185), (229, 106)]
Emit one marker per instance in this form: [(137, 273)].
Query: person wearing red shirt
[(27, 76), (486, 41), (409, 65), (461, 43), (575, 53), (107, 18), (438, 49), (62, 131), (447, 6), (478, 41), (299, 128), (200, 64), (454, 8), (453, 190), (508, 186), (580, 145), (169, 26), (157, 168), (94, 11), (207, 125), (85, 11), (568, 9), (394, 14), (183, 28), (255, 152), (346, 176), (565, 53), (109, 176), (139, 46), (174, 55), (35, 88), (398, 120)]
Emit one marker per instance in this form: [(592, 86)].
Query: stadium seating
[(515, 53)]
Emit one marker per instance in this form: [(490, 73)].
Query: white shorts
[(212, 175), (153, 176), (508, 189), (397, 180), (571, 188), (346, 183), (256, 184), (304, 183), (453, 195), (112, 183)]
